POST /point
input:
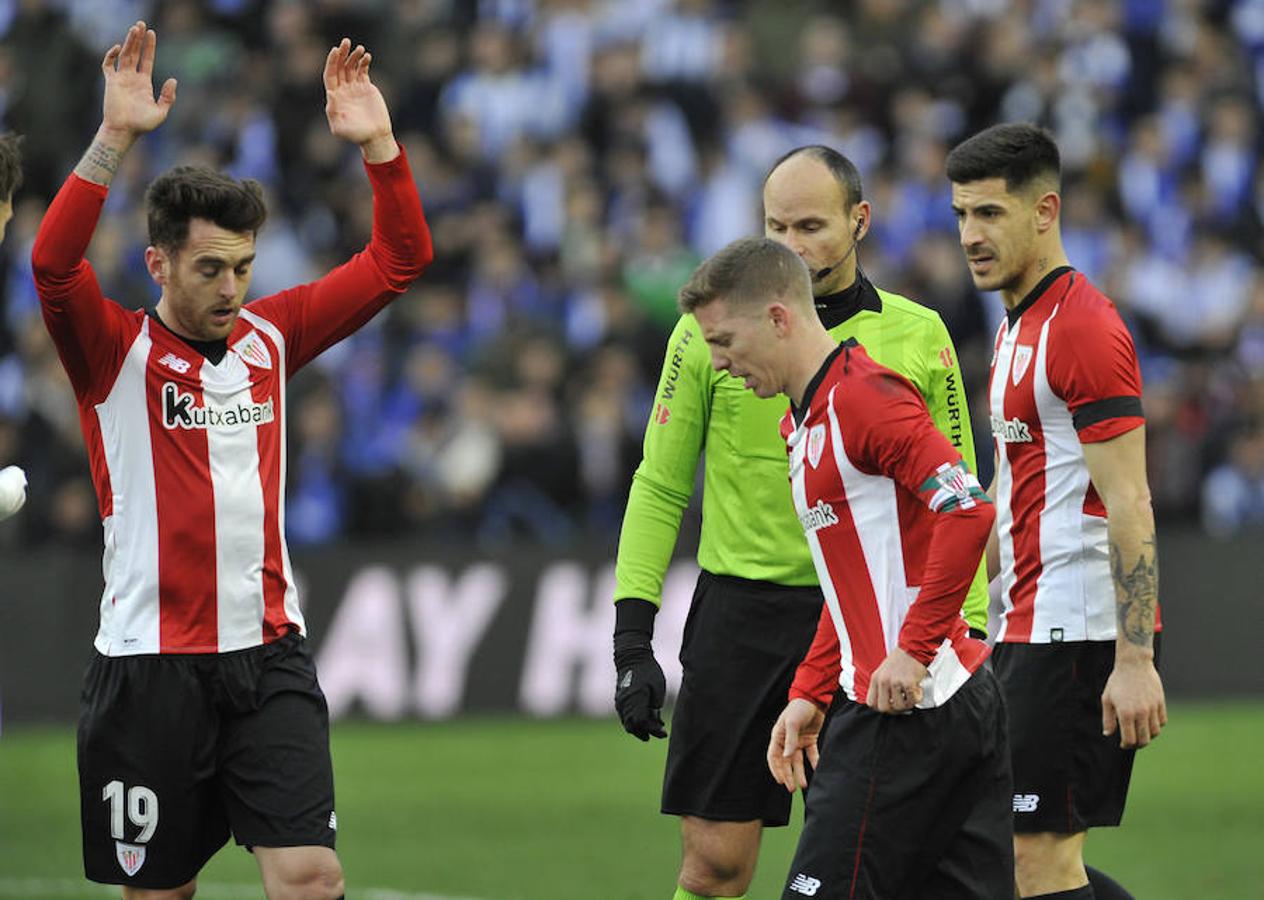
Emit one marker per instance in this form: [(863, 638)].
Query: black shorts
[(743, 641), (911, 806), (177, 751), (1068, 776)]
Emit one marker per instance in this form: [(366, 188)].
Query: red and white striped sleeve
[(1093, 368)]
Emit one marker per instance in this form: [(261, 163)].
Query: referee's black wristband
[(633, 623)]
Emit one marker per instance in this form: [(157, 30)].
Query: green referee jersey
[(749, 527)]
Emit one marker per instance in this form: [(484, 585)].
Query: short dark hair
[(748, 270), (10, 165), (842, 168), (200, 192), (1019, 152)]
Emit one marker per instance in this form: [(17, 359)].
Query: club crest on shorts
[(816, 444), (130, 856), (1022, 359)]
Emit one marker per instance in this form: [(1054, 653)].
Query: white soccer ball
[(12, 490)]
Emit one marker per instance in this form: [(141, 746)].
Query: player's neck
[(808, 357), (1041, 266)]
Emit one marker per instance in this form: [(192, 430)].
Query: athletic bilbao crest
[(816, 444), (1022, 359), (130, 856), (253, 351)]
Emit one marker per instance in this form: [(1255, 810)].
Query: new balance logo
[(171, 361), (820, 516), (1015, 431), (333, 821), (1026, 802), (180, 411), (805, 885)]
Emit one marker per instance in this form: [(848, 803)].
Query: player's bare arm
[(794, 738), (130, 108), (1133, 700), (354, 106)]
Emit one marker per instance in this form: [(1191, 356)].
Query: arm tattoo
[(99, 164), (1136, 593)]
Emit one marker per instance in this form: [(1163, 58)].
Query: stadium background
[(458, 468)]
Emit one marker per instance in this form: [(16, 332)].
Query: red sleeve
[(816, 679), (91, 334), (315, 316), (1093, 367), (896, 437)]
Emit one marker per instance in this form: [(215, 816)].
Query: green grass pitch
[(532, 810)]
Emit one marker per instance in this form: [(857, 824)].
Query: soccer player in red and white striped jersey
[(202, 715), (911, 792), (1075, 530)]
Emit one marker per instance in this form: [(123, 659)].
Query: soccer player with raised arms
[(757, 601), (912, 790), (202, 716), (1076, 648)]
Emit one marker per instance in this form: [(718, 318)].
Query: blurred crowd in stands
[(578, 157)]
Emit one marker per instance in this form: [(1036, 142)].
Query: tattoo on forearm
[(99, 164), (1137, 591)]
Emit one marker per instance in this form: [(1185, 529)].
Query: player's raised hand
[(130, 108), (793, 739), (354, 106)]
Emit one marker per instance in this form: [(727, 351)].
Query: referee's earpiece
[(855, 235)]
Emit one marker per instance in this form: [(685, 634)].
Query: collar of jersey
[(800, 412), (214, 350), (836, 308), (1036, 293)]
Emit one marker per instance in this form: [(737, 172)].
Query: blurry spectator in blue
[(1233, 494)]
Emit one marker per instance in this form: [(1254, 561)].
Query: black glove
[(640, 686)]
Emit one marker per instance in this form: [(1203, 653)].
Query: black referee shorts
[(178, 751), (1068, 776), (913, 806), (743, 641)]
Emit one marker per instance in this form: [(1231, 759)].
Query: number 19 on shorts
[(140, 804)]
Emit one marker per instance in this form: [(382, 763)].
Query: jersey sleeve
[(816, 678), (894, 435), (664, 480), (315, 316), (91, 333), (1093, 368), (949, 408)]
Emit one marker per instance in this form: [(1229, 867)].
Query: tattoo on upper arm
[(99, 164), (1137, 592)]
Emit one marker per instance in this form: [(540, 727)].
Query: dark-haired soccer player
[(1079, 577), (201, 713), (911, 793), (757, 600)]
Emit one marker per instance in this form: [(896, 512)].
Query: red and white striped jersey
[(188, 457), (1064, 373), (896, 525)]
